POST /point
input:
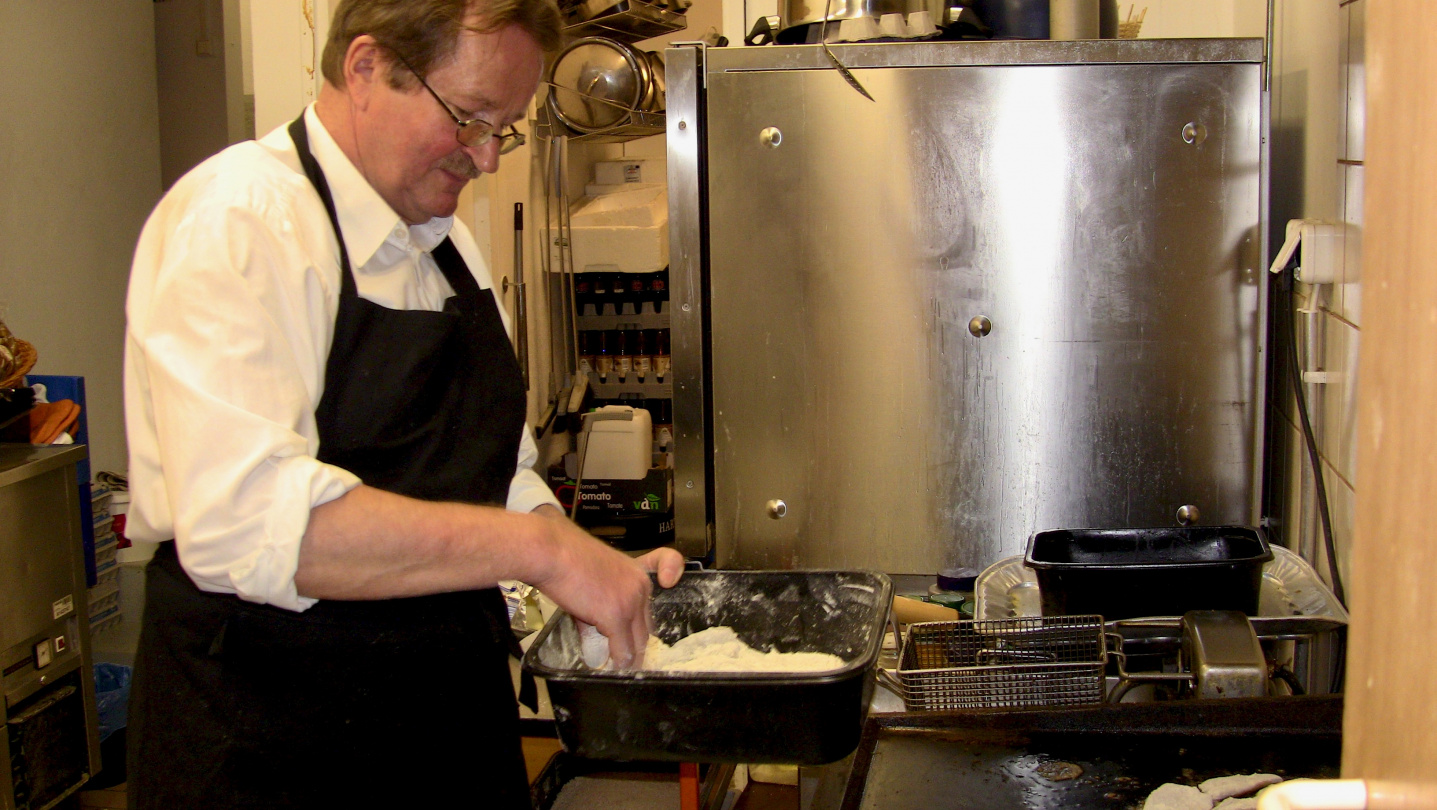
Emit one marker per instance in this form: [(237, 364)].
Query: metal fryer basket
[(1003, 663)]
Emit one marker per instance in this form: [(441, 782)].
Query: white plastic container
[(618, 443), (623, 232)]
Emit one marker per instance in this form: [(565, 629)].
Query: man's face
[(405, 139)]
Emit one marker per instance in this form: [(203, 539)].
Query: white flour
[(719, 649)]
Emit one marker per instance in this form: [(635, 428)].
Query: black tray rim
[(857, 667), (1265, 556)]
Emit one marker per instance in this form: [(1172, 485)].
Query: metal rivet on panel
[(770, 137), (683, 125), (689, 484), (1188, 514), (777, 508), (980, 326), (1194, 133)]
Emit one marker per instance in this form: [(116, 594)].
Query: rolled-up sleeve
[(229, 326), (528, 491)]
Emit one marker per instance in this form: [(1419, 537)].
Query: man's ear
[(366, 64)]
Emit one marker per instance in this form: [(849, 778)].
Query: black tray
[(1125, 573), (804, 719)]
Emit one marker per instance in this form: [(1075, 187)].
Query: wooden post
[(1390, 726)]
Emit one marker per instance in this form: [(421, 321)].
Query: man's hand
[(606, 588)]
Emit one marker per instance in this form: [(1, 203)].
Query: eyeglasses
[(472, 132)]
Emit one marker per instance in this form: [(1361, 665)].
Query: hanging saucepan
[(595, 82), (799, 19)]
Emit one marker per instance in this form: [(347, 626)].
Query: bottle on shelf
[(583, 292), (659, 289), (623, 357), (600, 294), (604, 353), (588, 361), (640, 345), (660, 354), (662, 411), (637, 291), (618, 292)]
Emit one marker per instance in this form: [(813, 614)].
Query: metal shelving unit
[(639, 125), (628, 21)]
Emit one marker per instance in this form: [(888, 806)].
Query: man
[(326, 418)]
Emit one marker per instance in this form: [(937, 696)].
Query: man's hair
[(425, 32)]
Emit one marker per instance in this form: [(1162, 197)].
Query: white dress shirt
[(231, 309)]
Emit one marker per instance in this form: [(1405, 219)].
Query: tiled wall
[(1325, 183)]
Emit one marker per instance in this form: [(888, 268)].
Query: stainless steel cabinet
[(1019, 290), (49, 737)]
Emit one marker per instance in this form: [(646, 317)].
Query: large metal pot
[(1014, 19), (595, 83), (796, 15)]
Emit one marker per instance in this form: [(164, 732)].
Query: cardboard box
[(629, 515), (605, 499)]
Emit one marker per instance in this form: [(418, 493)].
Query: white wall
[(1317, 115), (287, 38), (1198, 18), (79, 172)]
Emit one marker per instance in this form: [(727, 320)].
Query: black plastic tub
[(1126, 573), (805, 718)]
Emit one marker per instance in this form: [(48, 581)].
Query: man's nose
[(486, 157)]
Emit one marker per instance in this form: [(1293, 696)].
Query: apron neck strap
[(299, 133)]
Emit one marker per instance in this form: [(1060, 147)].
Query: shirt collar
[(365, 218)]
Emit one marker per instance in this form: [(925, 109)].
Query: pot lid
[(595, 82)]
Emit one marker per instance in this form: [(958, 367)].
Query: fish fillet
[(1178, 797), (719, 649), (1223, 787)]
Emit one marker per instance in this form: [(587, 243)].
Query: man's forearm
[(372, 544)]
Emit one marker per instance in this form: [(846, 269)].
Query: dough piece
[(1223, 787), (719, 649), (1249, 803), (1177, 797), (593, 647)]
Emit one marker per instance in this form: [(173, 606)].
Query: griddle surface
[(1018, 760), (921, 772)]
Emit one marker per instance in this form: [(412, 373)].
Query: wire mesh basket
[(1003, 663)]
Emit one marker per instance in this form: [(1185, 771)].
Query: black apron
[(401, 702)]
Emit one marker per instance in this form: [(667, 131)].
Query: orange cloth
[(50, 419)]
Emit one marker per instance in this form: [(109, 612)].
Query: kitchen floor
[(537, 753)]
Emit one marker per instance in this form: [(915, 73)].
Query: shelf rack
[(627, 21)]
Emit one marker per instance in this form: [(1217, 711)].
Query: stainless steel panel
[(684, 70), (39, 544), (1354, 67), (41, 562), (1113, 249), (996, 52)]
